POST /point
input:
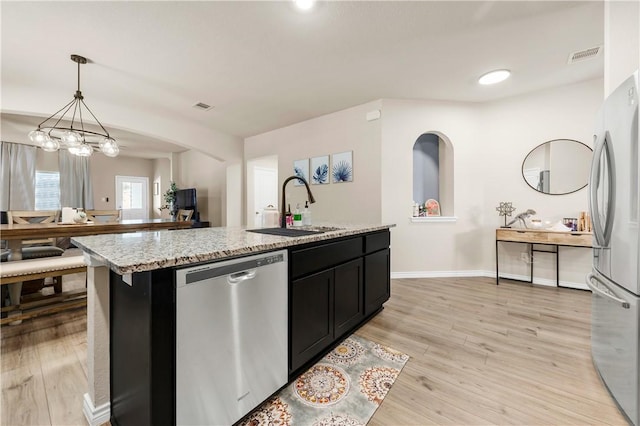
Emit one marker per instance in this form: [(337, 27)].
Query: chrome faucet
[(283, 212)]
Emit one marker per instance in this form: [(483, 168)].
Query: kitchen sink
[(294, 232)]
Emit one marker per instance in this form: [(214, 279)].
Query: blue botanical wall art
[(320, 170), (301, 168), (342, 167)]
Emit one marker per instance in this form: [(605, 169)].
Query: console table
[(541, 237)]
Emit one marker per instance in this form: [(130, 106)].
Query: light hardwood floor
[(480, 354)]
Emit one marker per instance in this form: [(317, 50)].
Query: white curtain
[(75, 181), (18, 176)]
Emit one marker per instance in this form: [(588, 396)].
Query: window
[(47, 191)]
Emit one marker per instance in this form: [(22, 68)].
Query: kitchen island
[(336, 281)]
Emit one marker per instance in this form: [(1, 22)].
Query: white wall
[(355, 202), (162, 176), (194, 169), (621, 42), (514, 127), (234, 195), (433, 247), (489, 141), (103, 173)]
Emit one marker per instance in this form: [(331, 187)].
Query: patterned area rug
[(344, 388)]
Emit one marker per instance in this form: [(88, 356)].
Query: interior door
[(265, 191), (132, 196)]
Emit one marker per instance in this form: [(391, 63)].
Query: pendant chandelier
[(52, 135)]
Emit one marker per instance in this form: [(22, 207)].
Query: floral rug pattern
[(344, 389)]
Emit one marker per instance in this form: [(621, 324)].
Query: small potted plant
[(170, 200)]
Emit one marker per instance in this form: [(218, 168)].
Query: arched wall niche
[(433, 170)]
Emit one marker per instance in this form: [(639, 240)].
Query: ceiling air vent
[(583, 55), (202, 106)]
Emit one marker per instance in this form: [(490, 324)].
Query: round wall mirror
[(557, 167)]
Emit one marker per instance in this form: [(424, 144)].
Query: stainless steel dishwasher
[(231, 337)]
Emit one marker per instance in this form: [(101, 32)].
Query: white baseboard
[(95, 415), (440, 274), (489, 274)]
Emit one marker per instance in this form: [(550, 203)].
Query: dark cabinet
[(334, 287), (324, 306), (348, 297), (377, 276), (311, 316)]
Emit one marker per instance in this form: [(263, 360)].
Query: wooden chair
[(27, 217), (184, 215), (108, 216), (38, 248)]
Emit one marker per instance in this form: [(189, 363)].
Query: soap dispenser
[(306, 215), (297, 216)]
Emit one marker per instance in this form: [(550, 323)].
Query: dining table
[(15, 233)]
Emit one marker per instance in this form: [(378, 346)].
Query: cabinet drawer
[(377, 241), (521, 236), (324, 256), (582, 239)]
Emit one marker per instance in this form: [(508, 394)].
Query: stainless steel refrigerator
[(614, 279)]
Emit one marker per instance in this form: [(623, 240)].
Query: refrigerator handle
[(594, 177), (611, 202), (610, 295), (602, 233)]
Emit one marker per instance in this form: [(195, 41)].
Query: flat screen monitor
[(186, 199)]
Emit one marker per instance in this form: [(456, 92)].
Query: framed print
[(320, 170), (342, 167), (301, 168)]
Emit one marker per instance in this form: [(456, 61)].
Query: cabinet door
[(349, 299), (377, 286), (311, 316)]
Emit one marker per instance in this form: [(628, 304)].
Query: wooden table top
[(50, 230)]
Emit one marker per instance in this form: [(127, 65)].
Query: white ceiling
[(264, 65)]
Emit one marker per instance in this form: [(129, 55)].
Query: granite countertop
[(146, 251)]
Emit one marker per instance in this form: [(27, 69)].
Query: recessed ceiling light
[(305, 4), (494, 77)]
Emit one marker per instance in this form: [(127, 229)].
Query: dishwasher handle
[(238, 277)]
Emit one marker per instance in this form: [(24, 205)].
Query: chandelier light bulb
[(50, 145), (71, 138), (37, 136), (84, 150), (73, 150), (109, 147)]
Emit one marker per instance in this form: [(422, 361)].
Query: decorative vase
[(80, 217), (173, 211)]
